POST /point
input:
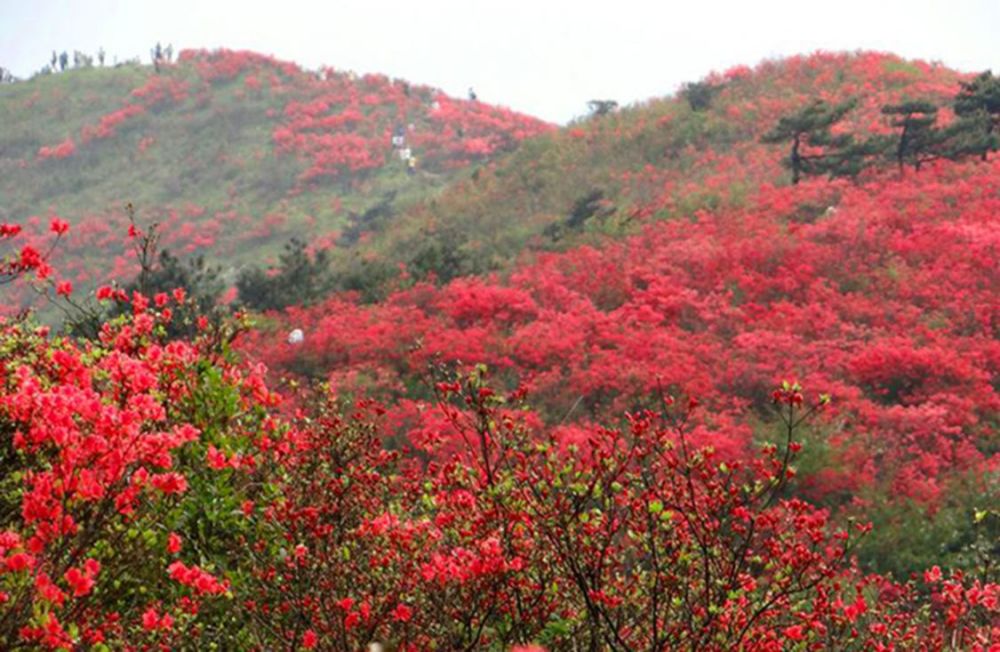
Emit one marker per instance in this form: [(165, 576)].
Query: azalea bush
[(881, 294), (156, 493), (116, 527)]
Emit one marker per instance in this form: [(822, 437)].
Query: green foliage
[(971, 135), (592, 204), (963, 532), (201, 282), (204, 157), (300, 279), (815, 149), (441, 255), (977, 106), (919, 139), (602, 107), (373, 218), (700, 95), (368, 277)]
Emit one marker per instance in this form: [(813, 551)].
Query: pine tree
[(814, 148), (700, 94), (301, 278), (978, 107), (602, 107), (919, 140)]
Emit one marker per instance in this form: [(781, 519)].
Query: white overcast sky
[(546, 58)]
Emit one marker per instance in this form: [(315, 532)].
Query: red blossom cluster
[(105, 128), (161, 496), (346, 125), (97, 440), (30, 256), (64, 149), (223, 64), (159, 90), (888, 303)]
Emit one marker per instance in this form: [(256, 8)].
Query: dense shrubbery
[(883, 294), (153, 495), (663, 159)]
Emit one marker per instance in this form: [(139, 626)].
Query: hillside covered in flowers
[(666, 378), (231, 152), (709, 274)]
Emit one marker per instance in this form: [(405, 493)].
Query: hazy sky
[(546, 58)]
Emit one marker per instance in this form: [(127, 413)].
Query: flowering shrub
[(105, 128), (346, 125), (891, 312), (30, 259), (102, 449), (64, 149), (154, 493)]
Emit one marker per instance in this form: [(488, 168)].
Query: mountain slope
[(702, 271), (658, 160), (231, 152), (657, 250)]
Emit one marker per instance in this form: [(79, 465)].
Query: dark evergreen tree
[(300, 278), (977, 106), (602, 107), (201, 283), (814, 148), (373, 218), (700, 94), (919, 140)]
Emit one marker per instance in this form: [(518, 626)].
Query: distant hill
[(661, 159), (231, 152)]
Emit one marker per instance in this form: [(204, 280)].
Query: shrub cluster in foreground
[(156, 495)]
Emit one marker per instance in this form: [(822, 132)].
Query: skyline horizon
[(546, 60), (111, 61)]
